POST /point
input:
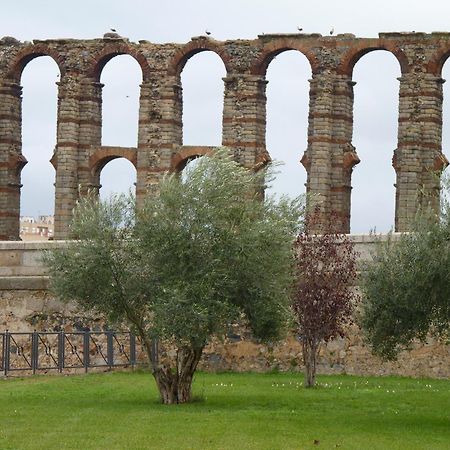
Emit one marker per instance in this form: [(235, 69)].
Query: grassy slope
[(235, 411)]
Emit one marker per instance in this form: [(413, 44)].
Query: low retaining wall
[(26, 304)]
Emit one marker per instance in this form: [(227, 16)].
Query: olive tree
[(406, 288), (203, 253)]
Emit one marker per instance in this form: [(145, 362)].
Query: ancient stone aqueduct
[(328, 159)]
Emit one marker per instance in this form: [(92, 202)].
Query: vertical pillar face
[(145, 114), (160, 130), (65, 158), (330, 156), (344, 156), (90, 131), (244, 118), (317, 159), (418, 159), (11, 159)]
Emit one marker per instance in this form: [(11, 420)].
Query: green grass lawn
[(233, 411)]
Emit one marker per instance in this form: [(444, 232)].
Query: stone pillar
[(90, 132), (418, 159), (244, 118), (160, 130), (11, 159), (330, 156), (344, 156), (65, 158)]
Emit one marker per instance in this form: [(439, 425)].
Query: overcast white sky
[(375, 128)]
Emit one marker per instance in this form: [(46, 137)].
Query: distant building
[(50, 220), (36, 229)]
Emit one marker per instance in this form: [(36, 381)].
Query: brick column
[(160, 130), (90, 132), (65, 158), (330, 156), (344, 156), (418, 159), (244, 118), (11, 159)]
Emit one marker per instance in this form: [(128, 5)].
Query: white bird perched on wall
[(332, 31), (299, 29)]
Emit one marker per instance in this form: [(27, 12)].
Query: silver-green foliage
[(101, 269), (407, 288), (202, 254)]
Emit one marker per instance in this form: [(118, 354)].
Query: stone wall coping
[(22, 267), (30, 245), (44, 245), (24, 283), (372, 238)]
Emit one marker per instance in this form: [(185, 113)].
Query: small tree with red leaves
[(323, 298)]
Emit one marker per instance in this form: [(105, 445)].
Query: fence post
[(2, 366), (61, 355), (7, 350), (34, 351), (154, 351), (132, 350), (86, 337), (110, 348)]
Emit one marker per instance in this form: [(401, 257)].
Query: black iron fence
[(43, 351)]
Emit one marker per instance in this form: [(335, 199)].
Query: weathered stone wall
[(26, 304), (329, 157)]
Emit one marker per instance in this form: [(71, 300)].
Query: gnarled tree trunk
[(175, 383)]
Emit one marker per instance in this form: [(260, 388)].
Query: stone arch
[(114, 175), (287, 111), (375, 135), (274, 48), (38, 120), (441, 165), (100, 59), (186, 154), (31, 52), (183, 54), (202, 99), (357, 52), (438, 60), (104, 155), (120, 81)]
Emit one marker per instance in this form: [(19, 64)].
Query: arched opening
[(287, 121), (121, 77), (117, 176), (446, 131), (375, 138), (203, 88), (39, 119), (188, 165)]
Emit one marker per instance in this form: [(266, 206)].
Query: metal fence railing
[(43, 351)]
